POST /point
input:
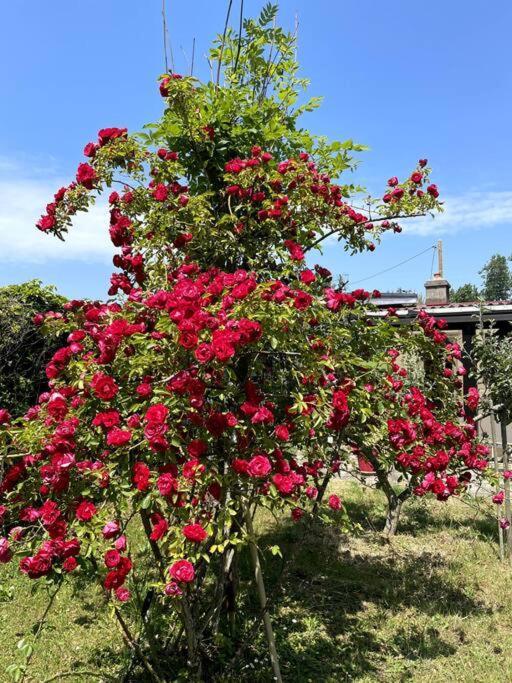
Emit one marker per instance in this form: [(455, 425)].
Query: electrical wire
[(386, 270)]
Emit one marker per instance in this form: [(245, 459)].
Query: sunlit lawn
[(435, 605)]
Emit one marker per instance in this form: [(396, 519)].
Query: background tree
[(24, 351), (466, 292), (497, 278)]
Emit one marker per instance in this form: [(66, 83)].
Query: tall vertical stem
[(258, 576)]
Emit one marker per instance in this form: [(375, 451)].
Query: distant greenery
[(24, 350), (497, 278), (467, 292), (496, 282)]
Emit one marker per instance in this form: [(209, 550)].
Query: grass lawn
[(435, 605)]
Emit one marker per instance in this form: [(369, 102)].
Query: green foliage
[(466, 292), (253, 98), (497, 278), (24, 350), (493, 369)]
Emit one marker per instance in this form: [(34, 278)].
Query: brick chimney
[(437, 290)]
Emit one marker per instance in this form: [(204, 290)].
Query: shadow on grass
[(330, 613), (420, 517), (332, 603)]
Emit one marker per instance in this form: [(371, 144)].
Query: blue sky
[(409, 79)]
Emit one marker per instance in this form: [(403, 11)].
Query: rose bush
[(227, 373)]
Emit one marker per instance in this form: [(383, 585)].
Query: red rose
[(107, 419), (182, 571), (144, 390), (157, 413), (86, 176), (203, 353), (197, 448), (104, 386), (164, 89), (166, 484), (123, 594), (295, 250), (69, 564), (285, 484), (417, 177), (297, 514), (85, 511), (282, 433), (5, 551), (112, 558), (160, 193), (90, 149), (160, 527), (108, 134), (111, 529), (141, 476), (5, 417), (433, 191), (259, 466), (334, 502), (307, 277), (118, 437), (194, 532)]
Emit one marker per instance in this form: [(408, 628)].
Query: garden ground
[(434, 605)]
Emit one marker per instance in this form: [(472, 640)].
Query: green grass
[(434, 605)]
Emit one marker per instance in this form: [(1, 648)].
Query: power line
[(386, 270)]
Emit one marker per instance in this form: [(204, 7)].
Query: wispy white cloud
[(470, 211), (21, 203)]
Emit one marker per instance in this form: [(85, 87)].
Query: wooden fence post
[(497, 470), (504, 445)]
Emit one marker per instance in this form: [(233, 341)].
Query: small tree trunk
[(395, 501), (393, 515), (194, 655)]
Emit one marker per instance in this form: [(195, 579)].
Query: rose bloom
[(334, 502), (112, 558), (5, 552), (111, 529), (69, 564), (157, 413), (172, 590), (498, 498), (259, 466), (85, 511), (194, 532), (123, 594), (118, 437), (103, 386), (182, 571), (86, 176), (297, 514), (4, 416)]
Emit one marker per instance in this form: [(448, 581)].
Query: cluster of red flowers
[(411, 187), (167, 393)]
